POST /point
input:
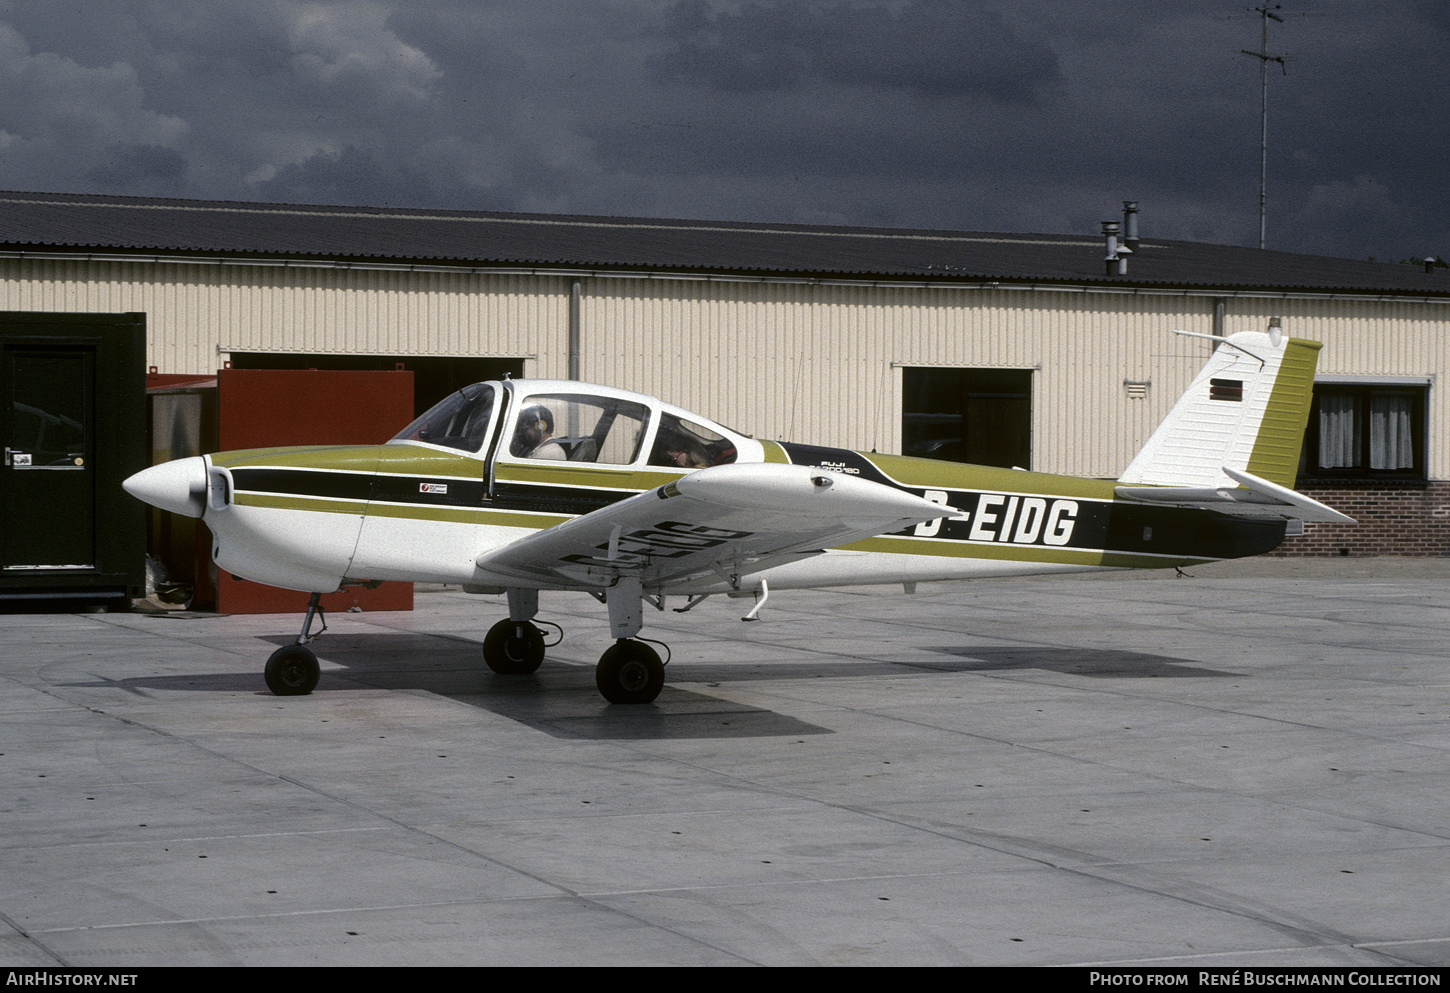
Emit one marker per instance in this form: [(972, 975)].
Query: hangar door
[(981, 416)]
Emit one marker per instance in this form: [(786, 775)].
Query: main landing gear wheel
[(510, 655), (292, 671), (630, 672)]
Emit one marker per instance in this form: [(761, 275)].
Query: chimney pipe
[(1114, 262), (1130, 224)]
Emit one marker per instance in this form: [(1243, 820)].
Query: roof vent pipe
[(1130, 224), (1115, 262)]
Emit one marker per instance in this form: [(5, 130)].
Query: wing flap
[(730, 519), (1254, 497)]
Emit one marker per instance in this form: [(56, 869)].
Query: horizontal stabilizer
[(1253, 497)]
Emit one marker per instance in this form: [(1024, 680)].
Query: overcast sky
[(1032, 116)]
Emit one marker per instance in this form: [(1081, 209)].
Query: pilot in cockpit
[(534, 436)]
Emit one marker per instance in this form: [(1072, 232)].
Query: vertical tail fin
[(1246, 410)]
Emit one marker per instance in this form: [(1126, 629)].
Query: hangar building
[(1007, 349)]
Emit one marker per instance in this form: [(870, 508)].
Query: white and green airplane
[(527, 485)]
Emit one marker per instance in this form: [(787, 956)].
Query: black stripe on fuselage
[(1000, 518), (425, 491), (551, 499), (305, 482), (1061, 522), (1010, 519)]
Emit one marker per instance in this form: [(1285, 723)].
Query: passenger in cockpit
[(534, 437), (673, 448)]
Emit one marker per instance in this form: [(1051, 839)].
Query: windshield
[(460, 421)]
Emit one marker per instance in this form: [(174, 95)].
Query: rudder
[(1245, 410)]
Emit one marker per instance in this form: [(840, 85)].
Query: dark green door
[(47, 419)]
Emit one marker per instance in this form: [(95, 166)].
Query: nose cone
[(178, 486)]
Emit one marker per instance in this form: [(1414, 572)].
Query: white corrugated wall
[(820, 363), (197, 314), (811, 362)]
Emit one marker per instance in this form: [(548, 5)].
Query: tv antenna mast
[(1266, 14)]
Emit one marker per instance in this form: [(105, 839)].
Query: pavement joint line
[(1310, 933), (603, 908), (32, 939), (193, 839), (315, 912), (1200, 956)]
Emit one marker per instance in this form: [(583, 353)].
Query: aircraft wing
[(729, 520), (1254, 497)]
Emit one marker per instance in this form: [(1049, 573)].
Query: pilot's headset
[(537, 414), (528, 417)]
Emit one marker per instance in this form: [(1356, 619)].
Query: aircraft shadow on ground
[(1100, 662), (562, 701)]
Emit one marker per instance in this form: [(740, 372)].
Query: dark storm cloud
[(1030, 116), (773, 46), (331, 177), (129, 166)]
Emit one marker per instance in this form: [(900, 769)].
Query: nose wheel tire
[(292, 671), (630, 672), (508, 654)]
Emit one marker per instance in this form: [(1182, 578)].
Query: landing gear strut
[(292, 669), (629, 671), (515, 647)]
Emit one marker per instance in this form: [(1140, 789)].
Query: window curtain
[(1339, 431), (1390, 445)]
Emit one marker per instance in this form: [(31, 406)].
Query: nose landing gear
[(292, 670)]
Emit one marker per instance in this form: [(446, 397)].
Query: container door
[(47, 482)]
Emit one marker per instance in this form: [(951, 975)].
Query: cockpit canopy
[(571, 422)]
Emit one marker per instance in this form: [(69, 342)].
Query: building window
[(1363, 431), (982, 416)]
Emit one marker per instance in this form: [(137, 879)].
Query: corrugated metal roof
[(122, 225)]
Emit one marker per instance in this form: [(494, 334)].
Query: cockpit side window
[(460, 421), (688, 445), (579, 429)]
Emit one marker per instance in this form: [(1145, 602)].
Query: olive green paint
[(1275, 454)]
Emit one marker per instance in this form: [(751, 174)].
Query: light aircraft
[(519, 486)]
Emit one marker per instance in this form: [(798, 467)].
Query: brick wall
[(1391, 519)]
